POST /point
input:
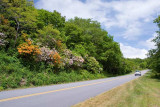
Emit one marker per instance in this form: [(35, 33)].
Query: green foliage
[(21, 15), (1, 88), (7, 33), (95, 42), (79, 49), (45, 18), (92, 65), (73, 33), (48, 36), (137, 63), (154, 54), (10, 65), (143, 65)]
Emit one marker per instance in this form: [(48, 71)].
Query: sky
[(130, 22)]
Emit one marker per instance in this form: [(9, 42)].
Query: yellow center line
[(29, 95)]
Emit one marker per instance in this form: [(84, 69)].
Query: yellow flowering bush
[(56, 58), (28, 48)]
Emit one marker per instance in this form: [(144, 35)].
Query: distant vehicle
[(138, 73)]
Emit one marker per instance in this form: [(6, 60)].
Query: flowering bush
[(2, 39), (45, 54), (49, 56), (71, 59), (56, 58), (78, 60), (28, 49), (68, 53)]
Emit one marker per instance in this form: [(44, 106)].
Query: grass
[(142, 92), (23, 79)]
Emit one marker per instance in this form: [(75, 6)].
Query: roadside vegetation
[(142, 92), (38, 47), (154, 54)]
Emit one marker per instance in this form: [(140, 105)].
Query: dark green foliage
[(10, 65), (92, 65), (48, 36), (45, 18), (137, 63)]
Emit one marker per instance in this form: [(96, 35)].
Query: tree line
[(43, 41)]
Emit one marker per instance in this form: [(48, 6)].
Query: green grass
[(145, 92), (29, 79), (142, 92)]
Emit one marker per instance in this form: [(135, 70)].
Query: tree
[(154, 54), (45, 18), (49, 37), (21, 14), (73, 33), (7, 32), (87, 37)]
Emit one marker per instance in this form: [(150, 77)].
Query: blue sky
[(129, 21)]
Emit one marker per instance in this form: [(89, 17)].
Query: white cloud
[(131, 52), (126, 14), (132, 32), (72, 8), (130, 14), (149, 44)]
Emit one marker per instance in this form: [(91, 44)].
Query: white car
[(137, 73)]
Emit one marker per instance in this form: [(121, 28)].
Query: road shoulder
[(141, 92)]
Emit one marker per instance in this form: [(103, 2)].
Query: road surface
[(63, 95)]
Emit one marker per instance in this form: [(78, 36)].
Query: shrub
[(92, 65), (46, 54), (50, 56), (72, 60), (28, 49), (1, 88), (2, 39), (11, 71), (56, 58)]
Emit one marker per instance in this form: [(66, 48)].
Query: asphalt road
[(63, 95)]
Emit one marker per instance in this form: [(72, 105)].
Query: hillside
[(38, 47)]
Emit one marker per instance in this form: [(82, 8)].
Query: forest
[(39, 47)]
